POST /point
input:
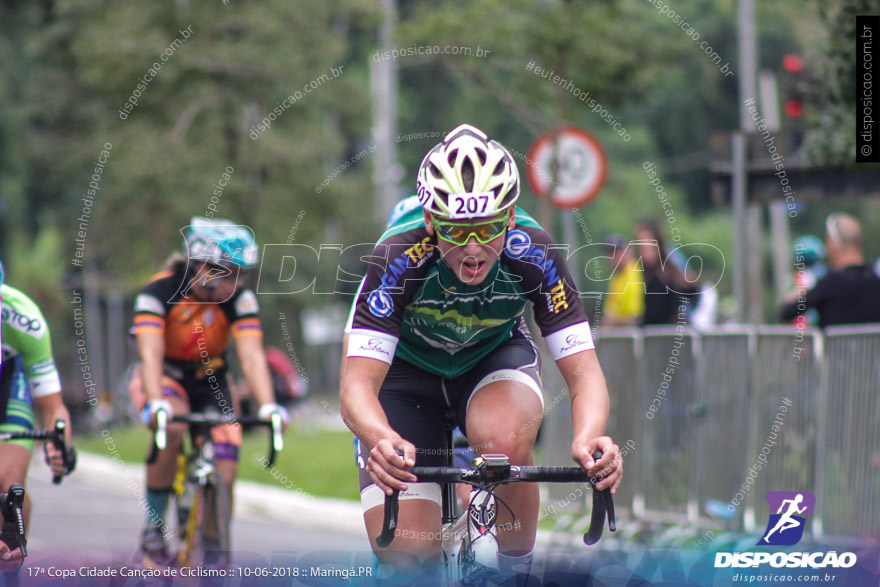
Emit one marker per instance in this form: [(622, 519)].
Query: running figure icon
[(786, 521)]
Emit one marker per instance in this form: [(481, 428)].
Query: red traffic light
[(792, 63), (794, 108)]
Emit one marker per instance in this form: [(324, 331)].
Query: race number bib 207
[(471, 205)]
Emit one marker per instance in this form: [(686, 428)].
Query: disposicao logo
[(786, 526)]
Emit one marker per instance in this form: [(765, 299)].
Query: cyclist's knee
[(175, 432), (503, 412)]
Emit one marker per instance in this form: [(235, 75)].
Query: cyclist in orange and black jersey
[(183, 319)]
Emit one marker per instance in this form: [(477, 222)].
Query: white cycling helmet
[(467, 176), (220, 242)]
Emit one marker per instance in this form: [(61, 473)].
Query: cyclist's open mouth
[(472, 267)]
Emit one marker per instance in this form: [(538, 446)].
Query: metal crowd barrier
[(720, 416)]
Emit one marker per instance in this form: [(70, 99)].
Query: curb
[(251, 498)]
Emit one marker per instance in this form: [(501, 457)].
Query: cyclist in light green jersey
[(28, 378)]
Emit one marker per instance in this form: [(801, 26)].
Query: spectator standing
[(667, 288), (625, 301), (850, 292)]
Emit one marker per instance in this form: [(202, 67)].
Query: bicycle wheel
[(214, 543)]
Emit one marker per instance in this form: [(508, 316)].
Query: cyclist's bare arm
[(589, 416), (151, 346), (363, 414), (344, 360), (51, 408), (255, 368)]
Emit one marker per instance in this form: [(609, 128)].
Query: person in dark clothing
[(850, 292), (669, 295)]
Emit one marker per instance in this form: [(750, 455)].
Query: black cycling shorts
[(423, 407)]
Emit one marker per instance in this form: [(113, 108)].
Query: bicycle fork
[(482, 534)]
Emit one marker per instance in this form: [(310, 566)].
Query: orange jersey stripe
[(247, 327), (149, 322)]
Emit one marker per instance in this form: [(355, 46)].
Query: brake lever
[(277, 436), (13, 524), (603, 504), (58, 442), (161, 429), (389, 524)]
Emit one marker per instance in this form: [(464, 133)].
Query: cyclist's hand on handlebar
[(266, 411), (10, 560), (148, 414), (389, 464), (609, 468), (56, 462)]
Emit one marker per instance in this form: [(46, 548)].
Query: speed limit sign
[(574, 159)]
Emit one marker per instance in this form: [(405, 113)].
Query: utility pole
[(747, 217), (779, 236), (383, 74)]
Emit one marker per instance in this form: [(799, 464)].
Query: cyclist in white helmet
[(183, 319), (438, 329)]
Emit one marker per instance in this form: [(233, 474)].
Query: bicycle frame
[(197, 478), (195, 472)]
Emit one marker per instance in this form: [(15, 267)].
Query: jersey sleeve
[(531, 254), (150, 307), (28, 333), (245, 315), (396, 270)]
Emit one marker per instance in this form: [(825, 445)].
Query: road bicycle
[(12, 502), (201, 496), (469, 540)]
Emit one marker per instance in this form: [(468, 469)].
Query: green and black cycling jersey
[(412, 306), (26, 335), (28, 368)]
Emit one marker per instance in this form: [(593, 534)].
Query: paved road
[(94, 521)]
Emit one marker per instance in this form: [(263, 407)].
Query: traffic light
[(793, 85)]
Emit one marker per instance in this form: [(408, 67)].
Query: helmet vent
[(481, 154), (452, 156), (435, 171), (499, 169), (467, 175)]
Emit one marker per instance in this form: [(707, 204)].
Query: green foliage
[(42, 272), (831, 140), (221, 70)]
